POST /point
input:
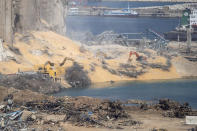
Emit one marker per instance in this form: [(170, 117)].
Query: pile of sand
[(184, 67), (38, 47)]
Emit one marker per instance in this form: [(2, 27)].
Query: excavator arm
[(138, 57), (52, 69), (65, 59), (133, 53), (50, 63)]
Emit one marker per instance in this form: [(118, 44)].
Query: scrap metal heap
[(80, 111)]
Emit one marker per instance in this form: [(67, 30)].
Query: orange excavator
[(138, 57)]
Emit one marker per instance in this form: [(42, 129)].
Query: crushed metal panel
[(191, 120), (2, 20)]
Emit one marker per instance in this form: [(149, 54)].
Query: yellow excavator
[(52, 70)]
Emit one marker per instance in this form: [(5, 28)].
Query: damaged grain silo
[(6, 20), (25, 15)]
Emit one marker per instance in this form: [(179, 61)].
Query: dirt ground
[(184, 67), (149, 120), (152, 120)]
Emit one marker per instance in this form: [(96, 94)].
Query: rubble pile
[(32, 81), (51, 112), (11, 121), (83, 37), (6, 54), (107, 37), (130, 70), (23, 120), (125, 70), (132, 73), (15, 50), (161, 66), (2, 52), (169, 108), (154, 129), (175, 109), (110, 69), (82, 113), (110, 37)]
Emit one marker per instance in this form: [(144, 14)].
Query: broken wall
[(52, 11), (40, 15), (6, 20), (24, 15)]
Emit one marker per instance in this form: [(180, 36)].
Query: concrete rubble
[(107, 37), (2, 52), (81, 111), (5, 54), (170, 108), (95, 113)]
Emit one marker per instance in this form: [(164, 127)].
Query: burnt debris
[(77, 77), (33, 81)]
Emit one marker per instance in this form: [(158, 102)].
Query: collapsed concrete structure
[(2, 52), (22, 15), (6, 22)]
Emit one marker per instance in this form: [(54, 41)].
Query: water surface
[(182, 90), (132, 4), (97, 25)]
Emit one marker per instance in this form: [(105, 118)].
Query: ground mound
[(35, 82)]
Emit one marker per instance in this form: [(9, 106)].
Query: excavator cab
[(52, 70), (138, 57)]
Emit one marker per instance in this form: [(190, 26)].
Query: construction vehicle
[(54, 71), (138, 57)]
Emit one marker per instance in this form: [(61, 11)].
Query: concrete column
[(6, 21), (2, 18), (2, 52), (9, 22), (189, 39)]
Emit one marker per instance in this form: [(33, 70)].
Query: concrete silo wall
[(34, 14), (24, 15), (6, 20)]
